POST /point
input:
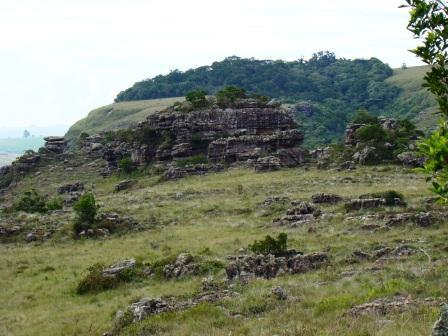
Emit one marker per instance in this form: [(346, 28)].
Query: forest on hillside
[(332, 88)]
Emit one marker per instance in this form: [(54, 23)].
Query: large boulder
[(440, 328)]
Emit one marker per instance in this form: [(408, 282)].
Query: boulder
[(268, 163), (411, 159), (365, 155), (124, 185), (424, 219), (119, 267), (292, 157)]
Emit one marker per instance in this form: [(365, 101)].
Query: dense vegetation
[(336, 88)]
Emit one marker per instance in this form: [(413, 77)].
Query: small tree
[(271, 245), (85, 209), (197, 98), (428, 21)]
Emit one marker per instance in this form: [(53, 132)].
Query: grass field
[(221, 213)]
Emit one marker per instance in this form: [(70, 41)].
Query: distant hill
[(332, 90)]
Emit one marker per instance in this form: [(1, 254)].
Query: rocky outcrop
[(71, 187), (183, 266), (55, 144), (390, 305), (245, 131), (268, 266), (174, 173), (301, 213), (115, 269), (326, 198), (365, 203)]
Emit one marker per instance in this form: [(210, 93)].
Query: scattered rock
[(124, 185), (388, 306), (326, 198), (69, 188), (279, 293), (271, 200), (183, 266), (268, 266), (424, 219)]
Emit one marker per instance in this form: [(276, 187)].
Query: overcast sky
[(59, 59)]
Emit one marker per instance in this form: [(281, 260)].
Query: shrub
[(126, 165), (271, 245), (229, 95), (95, 281), (193, 160), (371, 133), (85, 209), (390, 196), (197, 98), (31, 202), (364, 117)]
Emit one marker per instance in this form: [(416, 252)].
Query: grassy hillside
[(214, 216), (118, 115), (414, 101)]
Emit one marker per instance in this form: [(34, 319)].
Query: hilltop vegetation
[(324, 93)]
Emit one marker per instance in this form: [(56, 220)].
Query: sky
[(59, 59)]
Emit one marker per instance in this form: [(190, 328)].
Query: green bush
[(271, 245), (126, 165), (192, 160), (31, 202), (85, 209), (364, 117), (229, 95), (371, 133), (95, 281), (197, 98)]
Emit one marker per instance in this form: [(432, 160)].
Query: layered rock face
[(245, 131)]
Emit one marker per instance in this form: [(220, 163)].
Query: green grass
[(118, 116), (220, 213)]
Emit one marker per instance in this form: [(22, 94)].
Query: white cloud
[(61, 58)]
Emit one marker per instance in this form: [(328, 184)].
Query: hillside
[(212, 217), (118, 116), (414, 101), (324, 119)]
